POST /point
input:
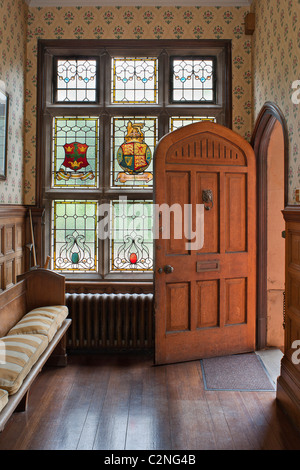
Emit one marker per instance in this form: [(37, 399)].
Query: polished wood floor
[(117, 402)]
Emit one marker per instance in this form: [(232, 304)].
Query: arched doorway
[(270, 144)]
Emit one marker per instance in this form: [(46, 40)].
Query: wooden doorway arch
[(266, 120)]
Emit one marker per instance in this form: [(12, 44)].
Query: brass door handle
[(168, 269)]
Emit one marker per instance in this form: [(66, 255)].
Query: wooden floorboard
[(124, 402)]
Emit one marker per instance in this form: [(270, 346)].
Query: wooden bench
[(36, 288)]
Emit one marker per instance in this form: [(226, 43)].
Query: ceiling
[(69, 3)]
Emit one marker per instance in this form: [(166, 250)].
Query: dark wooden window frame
[(103, 50)]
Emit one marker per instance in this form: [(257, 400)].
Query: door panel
[(235, 212), (208, 312), (178, 315), (177, 193), (205, 298), (206, 181), (236, 308)]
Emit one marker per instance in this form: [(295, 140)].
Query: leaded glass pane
[(74, 229), (192, 80), (75, 152), (134, 80), (131, 241), (76, 80), (176, 122), (133, 141)]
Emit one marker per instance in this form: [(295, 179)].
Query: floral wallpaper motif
[(264, 66), (137, 23), (12, 64), (276, 65)]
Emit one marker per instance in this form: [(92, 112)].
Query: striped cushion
[(17, 356), (3, 398), (42, 321)]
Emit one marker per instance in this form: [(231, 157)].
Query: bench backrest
[(12, 306), (36, 288), (43, 287)]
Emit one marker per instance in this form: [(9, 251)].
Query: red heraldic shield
[(75, 156)]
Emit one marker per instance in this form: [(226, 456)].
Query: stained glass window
[(192, 80), (74, 236), (176, 122), (106, 105), (75, 152), (133, 140), (131, 241), (76, 80), (134, 80)]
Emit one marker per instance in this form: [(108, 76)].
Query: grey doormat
[(241, 372)]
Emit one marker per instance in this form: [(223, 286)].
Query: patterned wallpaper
[(137, 23), (273, 60), (12, 66), (276, 65)]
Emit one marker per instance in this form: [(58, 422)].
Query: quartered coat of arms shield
[(134, 156)]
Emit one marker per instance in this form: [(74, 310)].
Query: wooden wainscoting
[(288, 387), (12, 244)]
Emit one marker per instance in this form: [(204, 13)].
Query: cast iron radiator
[(110, 321)]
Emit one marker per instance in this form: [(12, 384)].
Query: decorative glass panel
[(74, 225), (192, 80), (75, 152), (133, 144), (176, 122), (76, 80), (131, 236), (134, 80)]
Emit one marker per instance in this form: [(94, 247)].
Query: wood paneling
[(12, 244), (208, 304), (12, 307), (235, 212), (43, 287), (294, 250), (211, 228), (177, 191), (178, 298), (288, 386), (235, 301)]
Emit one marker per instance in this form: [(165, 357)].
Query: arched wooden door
[(205, 299)]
